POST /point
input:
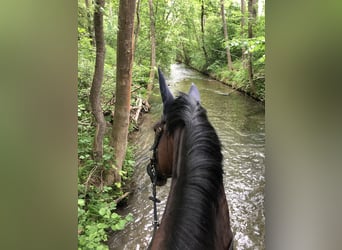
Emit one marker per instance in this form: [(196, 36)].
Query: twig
[(121, 197), (101, 180), (89, 176), (136, 89), (111, 100), (84, 123)]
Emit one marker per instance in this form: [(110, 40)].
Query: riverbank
[(99, 205), (237, 79)]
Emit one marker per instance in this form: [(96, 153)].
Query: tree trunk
[(243, 7), (251, 17), (153, 51), (137, 27), (202, 32), (125, 50), (225, 31), (95, 91), (252, 13), (90, 27), (187, 59)]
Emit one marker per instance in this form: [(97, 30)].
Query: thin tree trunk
[(137, 27), (202, 32), (226, 38), (153, 51), (89, 24), (243, 7), (125, 51), (186, 55), (95, 91), (251, 16)]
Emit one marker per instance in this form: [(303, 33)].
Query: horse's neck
[(223, 223), (177, 154), (222, 226), (176, 171)]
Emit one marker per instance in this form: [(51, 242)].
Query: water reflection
[(239, 122)]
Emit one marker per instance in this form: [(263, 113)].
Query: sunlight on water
[(239, 122)]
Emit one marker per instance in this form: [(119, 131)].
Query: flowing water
[(240, 124)]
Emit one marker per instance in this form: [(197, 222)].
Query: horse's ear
[(194, 92), (165, 92)]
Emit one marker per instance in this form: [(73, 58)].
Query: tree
[(95, 91), (137, 27), (225, 31), (202, 32), (243, 7), (125, 51), (89, 26), (251, 18), (153, 50)]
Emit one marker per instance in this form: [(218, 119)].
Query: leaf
[(102, 225), (119, 226), (107, 188), (103, 211), (81, 202), (129, 217), (115, 216), (112, 205), (101, 247), (118, 184), (122, 172)]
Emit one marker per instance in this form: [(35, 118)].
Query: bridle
[(152, 172)]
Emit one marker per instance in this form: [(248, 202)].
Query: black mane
[(200, 177)]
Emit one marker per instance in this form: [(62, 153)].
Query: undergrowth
[(97, 203)]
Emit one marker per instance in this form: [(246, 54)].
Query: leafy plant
[(96, 216), (96, 206)]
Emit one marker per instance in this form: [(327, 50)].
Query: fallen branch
[(121, 197), (136, 89), (136, 116), (146, 106)]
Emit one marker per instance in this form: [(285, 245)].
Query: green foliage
[(96, 206), (190, 45), (86, 59), (96, 215), (129, 163)]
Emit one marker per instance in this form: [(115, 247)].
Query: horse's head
[(163, 147)]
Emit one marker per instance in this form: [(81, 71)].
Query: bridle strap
[(155, 201), (152, 172)]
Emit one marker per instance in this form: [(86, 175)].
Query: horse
[(188, 150)]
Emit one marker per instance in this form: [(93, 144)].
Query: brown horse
[(188, 150)]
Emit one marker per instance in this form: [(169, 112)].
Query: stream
[(240, 123)]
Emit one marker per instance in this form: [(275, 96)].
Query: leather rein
[(152, 172)]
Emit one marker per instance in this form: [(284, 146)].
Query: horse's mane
[(200, 176)]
